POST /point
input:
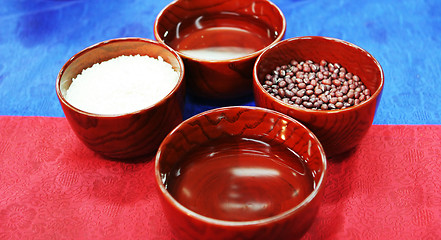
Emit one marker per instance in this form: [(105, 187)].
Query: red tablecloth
[(53, 187)]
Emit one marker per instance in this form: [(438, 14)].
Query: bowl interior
[(176, 23), (355, 59), (114, 48), (246, 122)]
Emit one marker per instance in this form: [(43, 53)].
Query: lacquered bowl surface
[(338, 130), (123, 136), (251, 122), (220, 79)]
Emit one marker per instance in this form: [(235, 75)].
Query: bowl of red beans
[(332, 86)]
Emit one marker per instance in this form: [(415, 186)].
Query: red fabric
[(53, 187)]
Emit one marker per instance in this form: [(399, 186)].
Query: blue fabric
[(38, 37)]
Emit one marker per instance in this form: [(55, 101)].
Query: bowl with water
[(240, 173), (219, 41)]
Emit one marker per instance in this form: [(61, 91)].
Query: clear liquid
[(221, 36), (240, 179), (218, 53)]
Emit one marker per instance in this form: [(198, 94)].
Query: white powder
[(122, 85)]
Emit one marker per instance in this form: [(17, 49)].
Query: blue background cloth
[(38, 37)]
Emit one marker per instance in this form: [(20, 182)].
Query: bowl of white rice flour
[(123, 96)]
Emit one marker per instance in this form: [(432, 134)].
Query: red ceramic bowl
[(217, 29), (233, 173), (123, 136), (338, 130)]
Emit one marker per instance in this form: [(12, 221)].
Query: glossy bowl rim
[(246, 57), (264, 221), (373, 97), (66, 103)]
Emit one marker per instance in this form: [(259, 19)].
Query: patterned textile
[(53, 187)]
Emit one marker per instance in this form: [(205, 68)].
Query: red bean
[(324, 98), (319, 86), (306, 68), (336, 82), (281, 92), (318, 91), (301, 93), (344, 89), (339, 105), (320, 75), (326, 82), (307, 104), (331, 66), (367, 92), (356, 94), (282, 83), (288, 93), (317, 105)]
